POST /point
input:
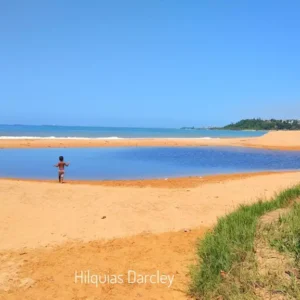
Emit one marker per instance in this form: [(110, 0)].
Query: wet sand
[(281, 140), (170, 183)]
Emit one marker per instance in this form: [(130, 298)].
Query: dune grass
[(285, 237), (282, 238), (225, 250)]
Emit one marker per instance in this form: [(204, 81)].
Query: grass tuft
[(229, 248), (286, 236)]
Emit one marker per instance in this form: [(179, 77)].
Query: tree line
[(259, 124)]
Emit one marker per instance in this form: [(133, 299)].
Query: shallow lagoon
[(140, 163)]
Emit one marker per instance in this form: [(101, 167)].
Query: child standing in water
[(61, 169)]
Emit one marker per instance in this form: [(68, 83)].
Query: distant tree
[(259, 124)]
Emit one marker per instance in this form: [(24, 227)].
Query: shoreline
[(169, 183), (97, 212), (273, 140)]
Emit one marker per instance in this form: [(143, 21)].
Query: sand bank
[(284, 140), (49, 230), (48, 273), (46, 213)]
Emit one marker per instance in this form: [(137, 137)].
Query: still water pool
[(140, 163)]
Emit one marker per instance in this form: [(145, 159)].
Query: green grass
[(285, 237), (229, 248)]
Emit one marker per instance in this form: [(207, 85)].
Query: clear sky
[(148, 63)]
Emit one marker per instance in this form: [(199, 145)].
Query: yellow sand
[(285, 140), (50, 230)]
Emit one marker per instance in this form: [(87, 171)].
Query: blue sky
[(148, 63)]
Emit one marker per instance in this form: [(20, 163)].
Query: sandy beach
[(49, 231), (282, 140), (107, 228), (143, 144)]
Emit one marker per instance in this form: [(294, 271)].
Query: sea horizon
[(18, 131)]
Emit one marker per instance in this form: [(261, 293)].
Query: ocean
[(27, 131), (141, 163)]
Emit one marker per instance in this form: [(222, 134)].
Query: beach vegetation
[(226, 265), (285, 237), (259, 124)]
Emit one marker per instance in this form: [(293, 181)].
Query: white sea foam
[(56, 138)]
